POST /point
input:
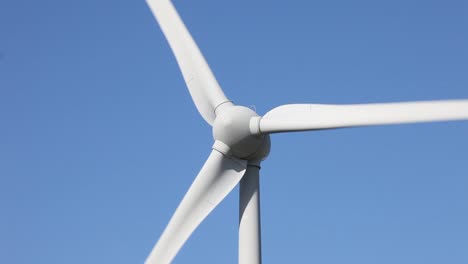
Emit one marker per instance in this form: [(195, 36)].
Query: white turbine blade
[(300, 117), (203, 87), (215, 180)]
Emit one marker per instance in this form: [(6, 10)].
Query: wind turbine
[(242, 140)]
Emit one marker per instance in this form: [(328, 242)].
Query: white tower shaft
[(250, 249)]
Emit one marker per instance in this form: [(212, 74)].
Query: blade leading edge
[(300, 117), (203, 86)]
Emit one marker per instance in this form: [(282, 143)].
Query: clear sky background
[(99, 138)]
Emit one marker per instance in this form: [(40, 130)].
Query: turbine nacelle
[(232, 128)]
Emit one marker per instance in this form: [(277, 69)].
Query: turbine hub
[(232, 127)]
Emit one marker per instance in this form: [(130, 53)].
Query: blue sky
[(99, 139)]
